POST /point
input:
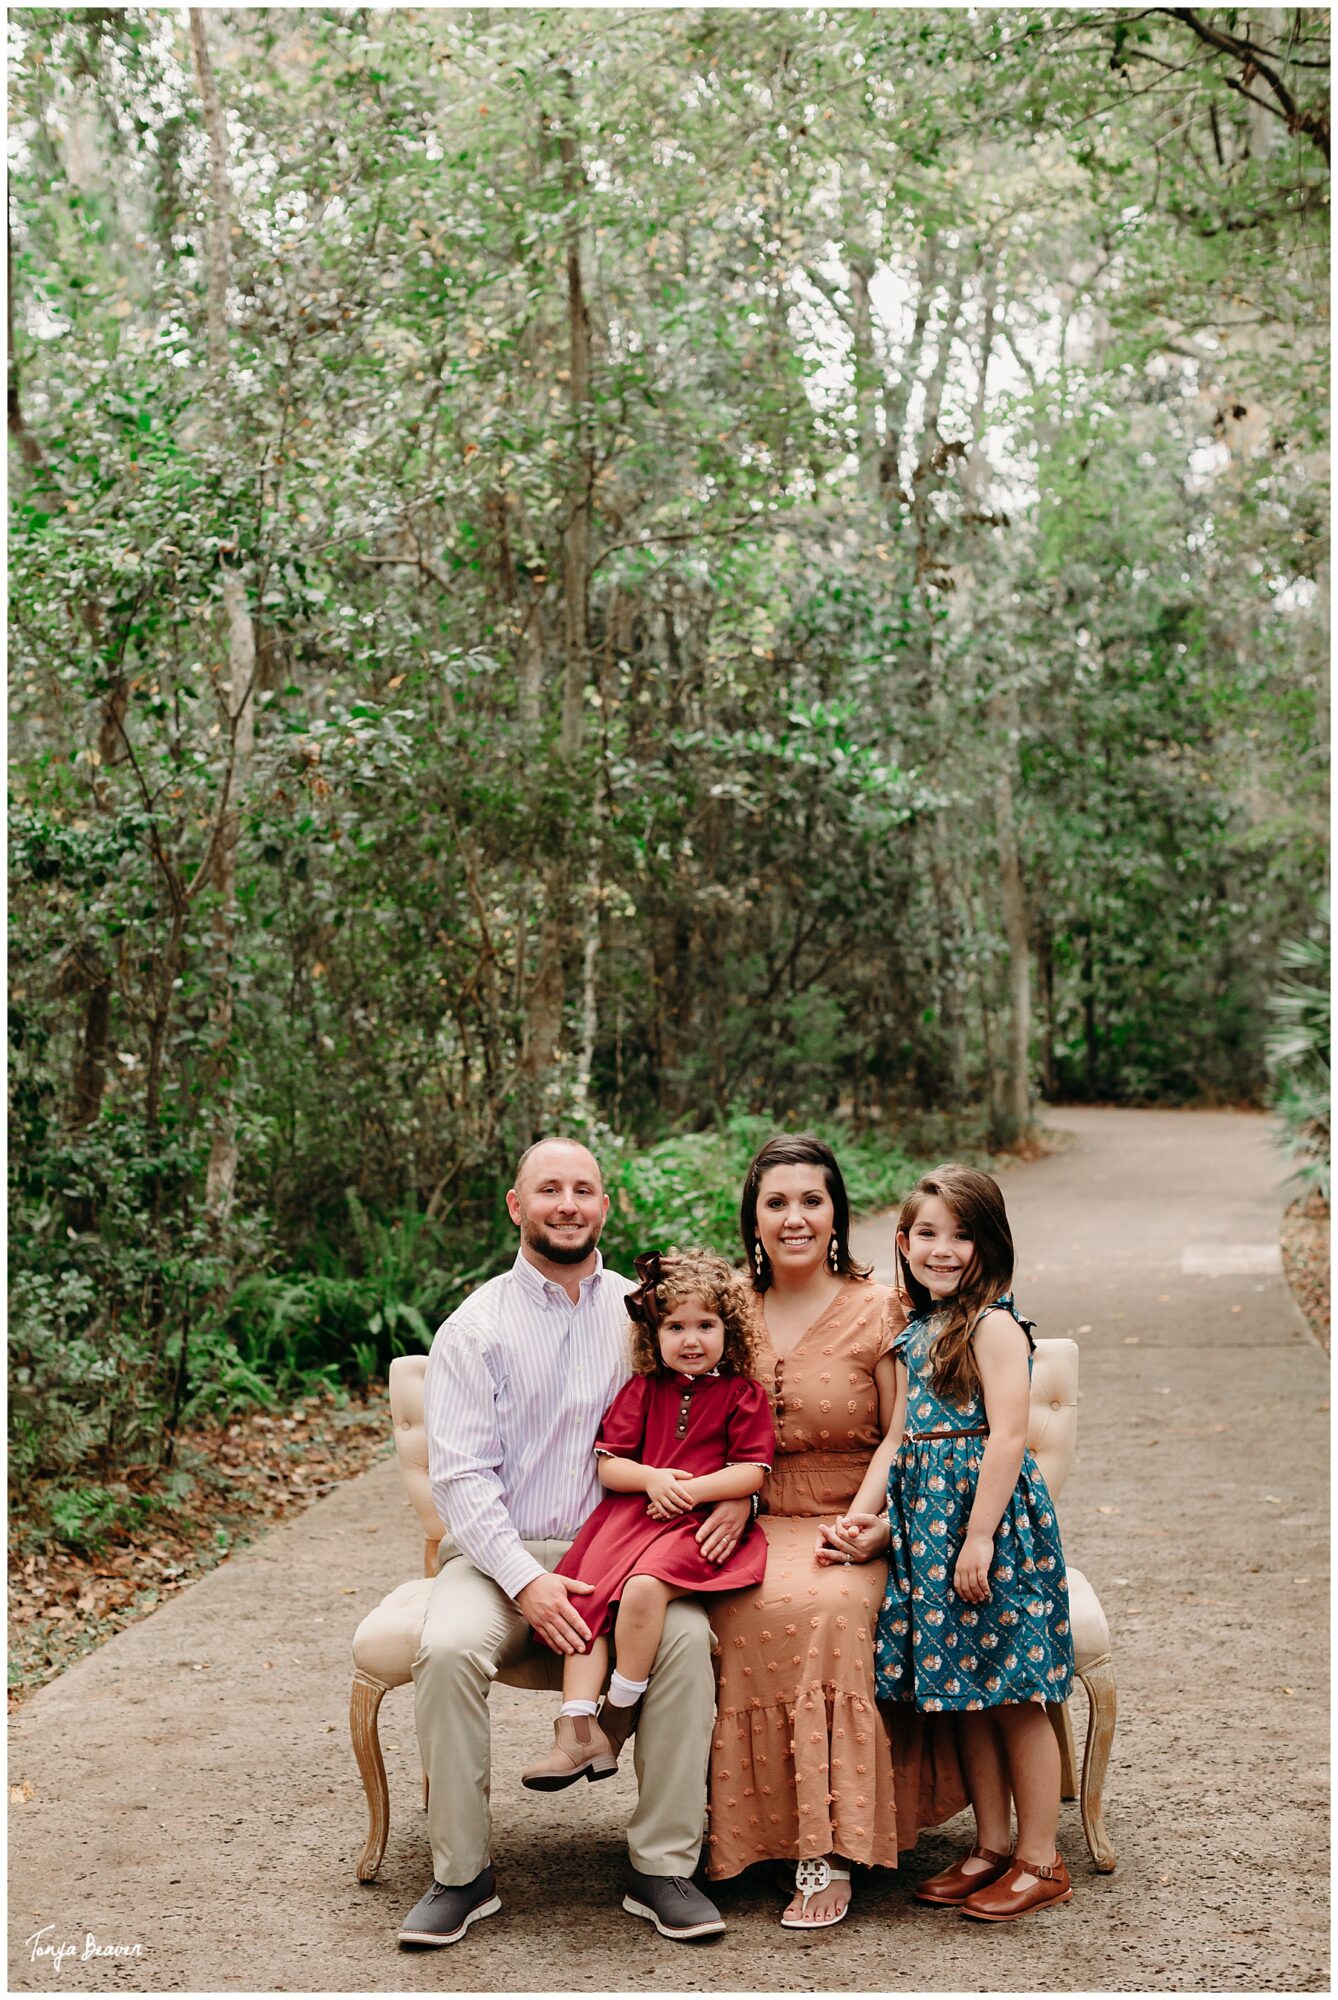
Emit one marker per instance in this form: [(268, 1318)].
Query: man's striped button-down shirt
[(517, 1381)]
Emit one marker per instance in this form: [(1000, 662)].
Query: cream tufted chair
[(385, 1643), (1052, 1434)]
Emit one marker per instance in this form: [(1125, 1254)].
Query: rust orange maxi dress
[(802, 1762)]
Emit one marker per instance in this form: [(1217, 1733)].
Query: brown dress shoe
[(580, 1750), (618, 1724), (1004, 1900), (954, 1885)]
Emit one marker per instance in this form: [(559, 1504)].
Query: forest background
[(658, 573)]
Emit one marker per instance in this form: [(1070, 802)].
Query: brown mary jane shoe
[(953, 1885), (1004, 1900)]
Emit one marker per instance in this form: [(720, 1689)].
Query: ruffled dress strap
[(901, 1341), (1006, 1303)]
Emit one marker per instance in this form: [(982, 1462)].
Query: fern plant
[(376, 1292), (1299, 1059)]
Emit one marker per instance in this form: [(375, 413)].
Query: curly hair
[(697, 1274)]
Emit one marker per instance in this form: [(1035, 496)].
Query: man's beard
[(558, 1253)]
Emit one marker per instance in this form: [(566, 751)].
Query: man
[(517, 1381)]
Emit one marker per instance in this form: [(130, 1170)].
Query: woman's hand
[(971, 1578), (852, 1538), (665, 1497)]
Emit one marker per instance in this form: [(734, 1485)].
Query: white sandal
[(811, 1877)]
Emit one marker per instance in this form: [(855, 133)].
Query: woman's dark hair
[(974, 1199), (799, 1149)]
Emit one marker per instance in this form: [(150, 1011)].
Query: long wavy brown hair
[(692, 1274), (974, 1199)]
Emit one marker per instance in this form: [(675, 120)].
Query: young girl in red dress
[(691, 1427)]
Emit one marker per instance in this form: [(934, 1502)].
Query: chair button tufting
[(1056, 1405)]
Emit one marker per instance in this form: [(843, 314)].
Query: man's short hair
[(553, 1139)]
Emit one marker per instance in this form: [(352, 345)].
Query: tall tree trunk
[(976, 469), (947, 894), (589, 985), (90, 1073), (1007, 729), (929, 435), (897, 395), (29, 448), (1013, 901), (238, 691), (867, 373), (576, 535), (542, 1033), (1047, 978), (1091, 1035), (949, 956)]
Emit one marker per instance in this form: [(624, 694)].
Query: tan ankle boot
[(618, 1724), (580, 1750)]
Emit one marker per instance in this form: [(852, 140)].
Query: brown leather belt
[(923, 1437)]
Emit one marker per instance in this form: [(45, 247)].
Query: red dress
[(699, 1424)]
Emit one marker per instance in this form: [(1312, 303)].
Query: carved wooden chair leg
[(1062, 1724), (364, 1702), (1099, 1681)]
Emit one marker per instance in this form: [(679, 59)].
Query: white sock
[(622, 1693), (578, 1708)]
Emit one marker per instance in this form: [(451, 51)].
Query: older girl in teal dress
[(976, 1616)]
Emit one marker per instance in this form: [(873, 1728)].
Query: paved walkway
[(193, 1790)]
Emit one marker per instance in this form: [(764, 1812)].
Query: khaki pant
[(473, 1632)]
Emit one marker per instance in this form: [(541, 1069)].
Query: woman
[(801, 1763)]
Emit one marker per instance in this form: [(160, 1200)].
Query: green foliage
[(375, 1293), (685, 1190), (1299, 1057), (639, 726)]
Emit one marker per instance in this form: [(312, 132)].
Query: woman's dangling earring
[(834, 1255), (758, 1259)]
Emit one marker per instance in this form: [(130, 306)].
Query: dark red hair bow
[(642, 1304)]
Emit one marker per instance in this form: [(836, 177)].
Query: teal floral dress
[(933, 1650)]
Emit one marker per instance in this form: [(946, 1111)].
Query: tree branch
[(754, 523), (1312, 124), (429, 565)]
